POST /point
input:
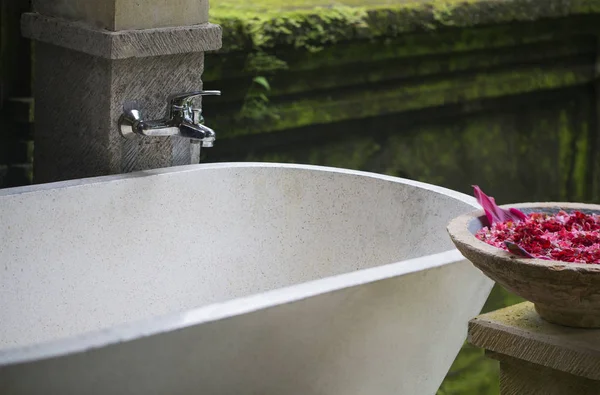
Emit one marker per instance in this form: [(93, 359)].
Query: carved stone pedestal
[(536, 357), (93, 56)]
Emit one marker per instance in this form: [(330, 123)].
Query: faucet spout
[(198, 132)]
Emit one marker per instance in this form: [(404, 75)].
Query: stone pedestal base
[(518, 378), (536, 357)]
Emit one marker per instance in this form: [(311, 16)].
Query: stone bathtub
[(242, 278)]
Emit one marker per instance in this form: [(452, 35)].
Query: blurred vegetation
[(472, 372)]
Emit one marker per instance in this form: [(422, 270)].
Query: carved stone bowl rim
[(462, 231)]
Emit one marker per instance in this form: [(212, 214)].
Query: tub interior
[(87, 256)]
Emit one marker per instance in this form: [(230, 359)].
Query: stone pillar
[(93, 55), (536, 357)]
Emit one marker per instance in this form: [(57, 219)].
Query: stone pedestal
[(536, 357), (89, 60)]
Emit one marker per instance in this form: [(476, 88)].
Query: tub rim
[(212, 312)]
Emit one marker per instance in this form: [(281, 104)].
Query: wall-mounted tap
[(182, 119)]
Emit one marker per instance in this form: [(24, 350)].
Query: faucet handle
[(184, 99), (130, 119)]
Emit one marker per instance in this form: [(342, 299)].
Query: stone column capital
[(93, 41)]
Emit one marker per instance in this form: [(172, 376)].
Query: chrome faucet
[(182, 119)]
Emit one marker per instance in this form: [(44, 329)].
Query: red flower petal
[(573, 237), (493, 212)]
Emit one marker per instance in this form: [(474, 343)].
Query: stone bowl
[(563, 293)]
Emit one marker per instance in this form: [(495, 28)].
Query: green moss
[(395, 99), (580, 168), (462, 44), (501, 152), (302, 78), (298, 29), (268, 33), (314, 24), (573, 140), (565, 137)]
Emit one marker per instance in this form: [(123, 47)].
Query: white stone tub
[(238, 279)]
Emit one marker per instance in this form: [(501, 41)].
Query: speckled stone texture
[(247, 278), (536, 357), (563, 293), (121, 44)]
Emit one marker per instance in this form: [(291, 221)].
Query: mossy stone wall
[(511, 107)]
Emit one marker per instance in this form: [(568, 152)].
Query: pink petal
[(493, 212)]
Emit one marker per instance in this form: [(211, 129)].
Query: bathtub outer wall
[(391, 329)]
